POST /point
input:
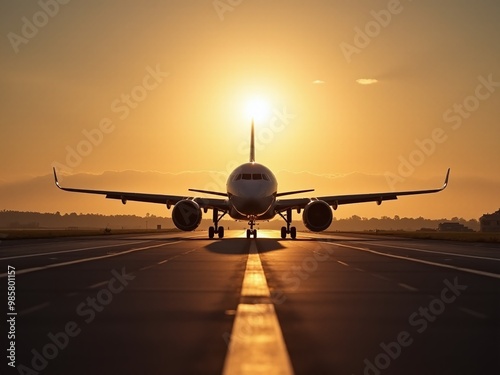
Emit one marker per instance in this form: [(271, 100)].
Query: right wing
[(335, 200), (168, 200)]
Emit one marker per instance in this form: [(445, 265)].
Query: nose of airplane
[(252, 200), (252, 206)]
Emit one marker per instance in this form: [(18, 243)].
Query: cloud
[(366, 81), (318, 82)]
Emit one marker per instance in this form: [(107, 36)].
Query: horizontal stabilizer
[(209, 192), (294, 192)]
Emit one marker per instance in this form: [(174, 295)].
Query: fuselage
[(251, 190)]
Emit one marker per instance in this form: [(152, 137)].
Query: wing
[(335, 200), (168, 200)]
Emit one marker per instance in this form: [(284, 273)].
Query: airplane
[(252, 194)]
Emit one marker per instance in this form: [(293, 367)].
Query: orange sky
[(385, 88)]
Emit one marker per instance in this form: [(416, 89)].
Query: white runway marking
[(438, 252), (380, 276), (34, 308), (68, 251), (97, 285), (408, 287), (473, 313), (77, 261), (256, 344), (463, 269)]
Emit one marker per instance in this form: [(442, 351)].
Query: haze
[(394, 92)]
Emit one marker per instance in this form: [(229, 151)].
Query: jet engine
[(186, 215), (317, 216)]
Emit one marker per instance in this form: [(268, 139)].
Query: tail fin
[(252, 145)]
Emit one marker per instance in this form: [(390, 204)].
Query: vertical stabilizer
[(252, 145)]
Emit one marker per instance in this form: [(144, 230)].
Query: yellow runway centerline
[(256, 345), (254, 281)]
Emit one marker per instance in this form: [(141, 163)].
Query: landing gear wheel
[(255, 233), (248, 233), (215, 229), (288, 220)]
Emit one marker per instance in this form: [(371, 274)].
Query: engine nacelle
[(186, 215), (317, 216)]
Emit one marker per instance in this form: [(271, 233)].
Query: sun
[(257, 108)]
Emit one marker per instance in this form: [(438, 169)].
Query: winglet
[(55, 178), (252, 145), (446, 179)]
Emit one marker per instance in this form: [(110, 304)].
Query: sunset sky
[(397, 91)]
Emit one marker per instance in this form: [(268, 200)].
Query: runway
[(183, 304)]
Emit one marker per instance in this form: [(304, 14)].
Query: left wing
[(335, 200), (168, 200)]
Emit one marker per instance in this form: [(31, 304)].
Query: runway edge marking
[(438, 252), (256, 345), (34, 308), (84, 260), (68, 251), (463, 269)]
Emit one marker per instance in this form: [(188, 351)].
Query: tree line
[(18, 220)]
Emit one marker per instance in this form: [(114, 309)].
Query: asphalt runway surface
[(180, 303)]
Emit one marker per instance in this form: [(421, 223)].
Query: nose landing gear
[(251, 232)]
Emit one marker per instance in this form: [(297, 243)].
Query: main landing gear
[(216, 228), (288, 230), (251, 232)]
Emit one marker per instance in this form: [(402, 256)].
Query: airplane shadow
[(237, 246), (332, 239)]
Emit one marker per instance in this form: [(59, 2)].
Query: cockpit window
[(251, 176)]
